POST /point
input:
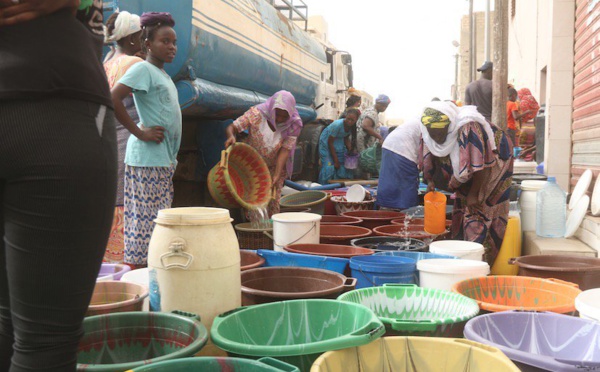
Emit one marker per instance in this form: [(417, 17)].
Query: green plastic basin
[(208, 364), (408, 310), (122, 341), (296, 331)]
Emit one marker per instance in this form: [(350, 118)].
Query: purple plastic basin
[(545, 340), (112, 271)]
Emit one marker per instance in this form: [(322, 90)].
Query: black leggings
[(57, 192)]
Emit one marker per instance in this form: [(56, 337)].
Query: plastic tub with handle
[(295, 228), (296, 331), (371, 271), (540, 341), (416, 354), (443, 273), (408, 310)]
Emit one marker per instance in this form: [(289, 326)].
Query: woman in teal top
[(333, 143), (151, 155)]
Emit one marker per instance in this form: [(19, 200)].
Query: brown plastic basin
[(340, 220), (329, 250), (116, 297), (271, 284), (584, 271), (342, 234), (372, 219), (250, 260)]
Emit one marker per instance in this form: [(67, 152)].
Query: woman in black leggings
[(57, 178)]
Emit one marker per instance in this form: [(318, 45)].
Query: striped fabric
[(147, 190)]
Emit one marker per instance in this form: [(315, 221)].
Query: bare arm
[(282, 157), (120, 92), (517, 115), (230, 132), (369, 126)]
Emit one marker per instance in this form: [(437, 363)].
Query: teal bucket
[(373, 271)]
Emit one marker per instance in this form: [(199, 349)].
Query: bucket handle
[(314, 226), (512, 261), (349, 284), (414, 325), (281, 366), (564, 282), (186, 314), (371, 332), (224, 159), (176, 250), (267, 234)]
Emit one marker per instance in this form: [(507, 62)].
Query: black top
[(55, 56)]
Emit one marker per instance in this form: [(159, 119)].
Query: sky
[(402, 48)]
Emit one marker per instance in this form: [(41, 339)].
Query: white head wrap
[(458, 116), (125, 25)]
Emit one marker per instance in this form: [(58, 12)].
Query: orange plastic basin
[(504, 292)]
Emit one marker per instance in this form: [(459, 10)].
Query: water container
[(194, 263), (551, 214), (528, 202), (435, 212)]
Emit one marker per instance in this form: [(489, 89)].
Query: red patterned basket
[(241, 179)]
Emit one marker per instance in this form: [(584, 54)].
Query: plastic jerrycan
[(435, 212)]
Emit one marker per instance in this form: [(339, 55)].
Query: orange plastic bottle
[(435, 212)]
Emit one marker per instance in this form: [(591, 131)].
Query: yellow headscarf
[(435, 119)]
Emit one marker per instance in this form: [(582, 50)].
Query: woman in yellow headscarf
[(461, 152)]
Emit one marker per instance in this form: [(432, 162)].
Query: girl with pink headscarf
[(273, 128)]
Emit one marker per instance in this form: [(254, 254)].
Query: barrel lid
[(193, 216), (450, 266), (532, 185)]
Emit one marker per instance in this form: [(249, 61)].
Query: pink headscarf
[(283, 100)]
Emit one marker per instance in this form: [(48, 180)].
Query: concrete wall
[(464, 49), (541, 35)]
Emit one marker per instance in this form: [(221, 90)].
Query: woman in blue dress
[(333, 144)]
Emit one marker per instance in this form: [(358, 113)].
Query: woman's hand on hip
[(13, 12), (152, 134)]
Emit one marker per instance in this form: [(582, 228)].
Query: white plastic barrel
[(441, 273), (458, 248), (295, 228), (528, 202), (588, 304), (194, 263)]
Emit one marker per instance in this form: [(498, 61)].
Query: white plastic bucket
[(528, 203), (588, 304), (295, 228), (458, 248), (442, 273), (139, 276)]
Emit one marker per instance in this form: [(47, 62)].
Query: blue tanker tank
[(233, 54)]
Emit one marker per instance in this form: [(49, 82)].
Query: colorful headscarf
[(528, 102), (157, 18), (434, 119), (382, 98), (125, 25), (283, 100)]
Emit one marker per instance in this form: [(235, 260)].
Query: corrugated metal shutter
[(586, 93)]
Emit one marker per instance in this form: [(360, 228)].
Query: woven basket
[(253, 238), (313, 199), (241, 179), (343, 206)]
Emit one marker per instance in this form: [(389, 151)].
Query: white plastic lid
[(455, 245), (192, 216), (296, 217), (533, 185), (588, 303), (355, 194), (451, 266)]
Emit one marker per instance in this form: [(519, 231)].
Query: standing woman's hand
[(13, 12)]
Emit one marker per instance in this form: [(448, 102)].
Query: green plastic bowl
[(296, 331), (122, 341), (209, 364), (408, 310)]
